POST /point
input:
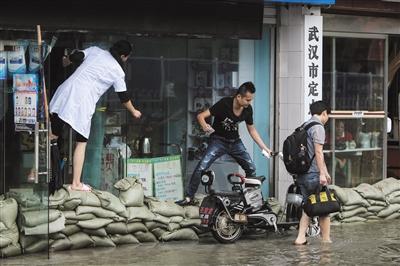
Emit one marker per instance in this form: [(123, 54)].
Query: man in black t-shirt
[(224, 138)]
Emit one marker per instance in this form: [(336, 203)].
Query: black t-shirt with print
[(226, 123)]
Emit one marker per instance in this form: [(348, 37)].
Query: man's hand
[(266, 152), (323, 179), (208, 129), (328, 178), (136, 113)]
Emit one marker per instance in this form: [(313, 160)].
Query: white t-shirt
[(75, 99)]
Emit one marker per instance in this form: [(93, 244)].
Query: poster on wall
[(109, 170), (25, 87), (312, 61), (142, 169), (168, 178)]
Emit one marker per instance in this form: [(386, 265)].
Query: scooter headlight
[(207, 178)]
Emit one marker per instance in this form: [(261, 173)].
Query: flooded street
[(373, 243)]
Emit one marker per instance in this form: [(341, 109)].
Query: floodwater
[(372, 243)]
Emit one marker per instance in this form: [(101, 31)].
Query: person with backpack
[(224, 139), (74, 101), (317, 174)]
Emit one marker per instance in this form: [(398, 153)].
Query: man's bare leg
[(303, 225), (325, 223)]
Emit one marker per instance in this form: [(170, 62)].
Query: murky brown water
[(375, 243)]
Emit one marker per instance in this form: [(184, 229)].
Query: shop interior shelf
[(354, 150)]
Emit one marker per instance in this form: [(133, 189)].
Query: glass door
[(354, 81)]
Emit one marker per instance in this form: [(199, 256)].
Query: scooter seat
[(227, 194)]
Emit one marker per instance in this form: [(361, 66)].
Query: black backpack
[(295, 151)]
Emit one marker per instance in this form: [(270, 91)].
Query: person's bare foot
[(81, 187), (326, 241)]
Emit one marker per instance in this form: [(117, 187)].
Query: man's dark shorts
[(308, 184)]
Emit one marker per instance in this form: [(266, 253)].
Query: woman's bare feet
[(80, 187)]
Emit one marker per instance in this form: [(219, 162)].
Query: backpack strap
[(311, 124)]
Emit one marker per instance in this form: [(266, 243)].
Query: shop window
[(353, 82)]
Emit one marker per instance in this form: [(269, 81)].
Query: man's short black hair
[(246, 87), (318, 107)]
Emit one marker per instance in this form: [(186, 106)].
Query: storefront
[(361, 83), (177, 69)]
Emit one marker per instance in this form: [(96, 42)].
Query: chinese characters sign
[(312, 61)]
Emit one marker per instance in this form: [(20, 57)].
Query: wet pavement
[(373, 243)]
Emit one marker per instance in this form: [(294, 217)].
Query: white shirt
[(75, 99)]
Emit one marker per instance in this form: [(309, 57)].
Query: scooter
[(228, 214)]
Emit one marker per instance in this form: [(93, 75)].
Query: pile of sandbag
[(99, 218), (368, 202), (9, 245)]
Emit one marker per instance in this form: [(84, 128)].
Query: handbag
[(322, 203)]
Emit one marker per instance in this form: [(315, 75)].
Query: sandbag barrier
[(92, 219), (380, 201)]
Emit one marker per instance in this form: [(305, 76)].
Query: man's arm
[(135, 113), (324, 177), (201, 118), (256, 137)]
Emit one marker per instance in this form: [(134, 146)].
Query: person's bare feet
[(326, 241)]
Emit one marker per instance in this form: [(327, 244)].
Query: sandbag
[(274, 204), (56, 236), (70, 229), (124, 239), (389, 210), (136, 227), (353, 219), (191, 212), (111, 202), (340, 193), (166, 208), (72, 204), (3, 227), (176, 219), (94, 223), (12, 250), (182, 234), (354, 198), (58, 198), (9, 236), (72, 215), (367, 214), (98, 211), (38, 246), (161, 219), (393, 197), (142, 213), (86, 198), (34, 218), (190, 222), (103, 241), (145, 237), (61, 244), (158, 232), (393, 216), (69, 222), (375, 209), (173, 227), (43, 229), (377, 202), (25, 200), (117, 228), (27, 241), (354, 212), (388, 185), (131, 192), (95, 232), (153, 225), (9, 211), (368, 191), (349, 207), (80, 240)]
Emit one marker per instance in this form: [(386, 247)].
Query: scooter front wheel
[(224, 229)]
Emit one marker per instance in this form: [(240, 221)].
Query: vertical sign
[(142, 169), (312, 61), (168, 178), (25, 88)]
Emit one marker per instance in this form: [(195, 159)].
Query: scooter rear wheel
[(224, 230)]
